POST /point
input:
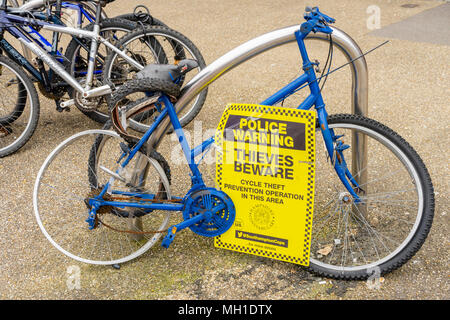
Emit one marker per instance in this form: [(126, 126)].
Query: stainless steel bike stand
[(271, 40)]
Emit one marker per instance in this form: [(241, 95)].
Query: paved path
[(408, 91)]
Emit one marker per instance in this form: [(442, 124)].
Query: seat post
[(98, 12), (58, 8), (93, 48)]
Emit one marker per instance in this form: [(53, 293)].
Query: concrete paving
[(431, 26), (409, 92)]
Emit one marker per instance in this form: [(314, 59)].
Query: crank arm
[(66, 104), (178, 227)]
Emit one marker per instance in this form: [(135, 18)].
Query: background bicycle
[(17, 128)]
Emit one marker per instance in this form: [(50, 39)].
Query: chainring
[(219, 208), (87, 104), (55, 94)]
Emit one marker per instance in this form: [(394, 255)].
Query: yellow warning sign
[(265, 163)]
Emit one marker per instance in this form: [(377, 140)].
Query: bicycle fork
[(335, 148), (333, 144)]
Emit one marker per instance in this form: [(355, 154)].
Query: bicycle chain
[(107, 210)]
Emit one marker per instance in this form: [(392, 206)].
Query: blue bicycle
[(369, 217)]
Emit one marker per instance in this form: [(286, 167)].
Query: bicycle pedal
[(64, 106), (169, 237), (61, 109), (92, 221)]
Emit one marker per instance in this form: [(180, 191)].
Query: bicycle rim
[(65, 181), (18, 112)]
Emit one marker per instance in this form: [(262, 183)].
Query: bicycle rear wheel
[(357, 240), (74, 173)]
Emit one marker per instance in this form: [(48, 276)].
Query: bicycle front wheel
[(76, 171), (352, 240)]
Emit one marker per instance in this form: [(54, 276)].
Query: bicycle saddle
[(167, 72)]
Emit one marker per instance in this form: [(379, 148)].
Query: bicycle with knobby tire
[(121, 201)]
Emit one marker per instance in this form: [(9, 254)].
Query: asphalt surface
[(408, 91)]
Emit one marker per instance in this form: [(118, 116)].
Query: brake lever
[(325, 17), (317, 21)]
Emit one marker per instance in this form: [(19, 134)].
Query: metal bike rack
[(271, 40)]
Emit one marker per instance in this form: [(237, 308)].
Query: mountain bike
[(73, 72), (104, 197), (82, 14)]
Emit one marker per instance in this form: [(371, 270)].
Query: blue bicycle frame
[(333, 145)]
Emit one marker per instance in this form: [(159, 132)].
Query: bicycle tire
[(132, 17), (397, 202), (134, 87), (153, 22), (20, 106), (9, 126)]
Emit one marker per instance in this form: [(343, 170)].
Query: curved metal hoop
[(271, 40), (261, 44)]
